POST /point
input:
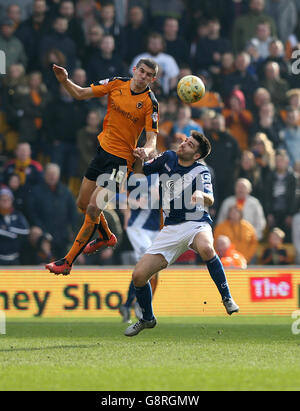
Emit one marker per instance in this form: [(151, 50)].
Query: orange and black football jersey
[(127, 115)]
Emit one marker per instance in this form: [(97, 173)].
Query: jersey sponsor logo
[(124, 113)]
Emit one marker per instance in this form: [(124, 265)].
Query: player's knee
[(93, 211), (207, 252), (138, 279)]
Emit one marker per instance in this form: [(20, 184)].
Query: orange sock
[(103, 228), (83, 237)]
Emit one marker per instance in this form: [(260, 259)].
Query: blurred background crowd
[(247, 52)]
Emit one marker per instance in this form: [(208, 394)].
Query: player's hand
[(197, 197), (60, 73), (140, 153)]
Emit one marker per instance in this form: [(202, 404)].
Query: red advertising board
[(271, 288)]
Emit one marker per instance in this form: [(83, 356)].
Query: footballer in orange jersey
[(131, 108)]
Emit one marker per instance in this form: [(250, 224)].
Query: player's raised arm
[(77, 92)]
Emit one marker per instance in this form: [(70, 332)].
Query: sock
[(144, 298), (103, 229), (130, 295), (83, 237), (217, 273)]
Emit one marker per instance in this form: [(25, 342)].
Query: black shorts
[(107, 167)]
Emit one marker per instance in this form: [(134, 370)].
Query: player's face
[(143, 76), (188, 150)]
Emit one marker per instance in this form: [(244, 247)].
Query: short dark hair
[(149, 63), (204, 144)]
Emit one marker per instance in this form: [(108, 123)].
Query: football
[(190, 89)]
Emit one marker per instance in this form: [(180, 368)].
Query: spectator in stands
[(276, 85), (260, 97), (32, 30), (106, 63), (209, 50), (293, 99), (176, 45), (87, 140), (184, 123), (135, 33), (268, 123), (51, 207), (237, 119), (30, 110), (250, 206), (94, 36), (276, 54), (240, 232), (75, 31), (290, 136), (11, 45), (64, 117), (284, 14), (53, 56), (280, 195), (245, 26), (264, 154), (168, 68), (20, 194), (229, 256), (59, 39), (37, 249), (25, 7), (240, 79), (251, 170), (262, 39), (275, 253), (110, 25), (13, 225), (29, 171), (14, 14), (224, 156)]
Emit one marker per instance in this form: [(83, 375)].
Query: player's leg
[(203, 244), (144, 270), (86, 232), (106, 237), (85, 193)]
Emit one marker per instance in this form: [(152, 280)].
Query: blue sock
[(144, 298), (130, 295), (217, 273)]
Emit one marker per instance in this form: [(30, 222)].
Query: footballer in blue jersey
[(186, 194), (142, 228)]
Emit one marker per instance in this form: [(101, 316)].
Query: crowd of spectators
[(247, 54)]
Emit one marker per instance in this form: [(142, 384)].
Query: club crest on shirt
[(139, 104)]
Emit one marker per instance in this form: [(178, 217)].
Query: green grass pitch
[(201, 353)]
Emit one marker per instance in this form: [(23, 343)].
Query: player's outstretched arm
[(77, 92)]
